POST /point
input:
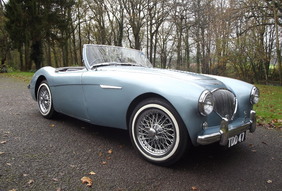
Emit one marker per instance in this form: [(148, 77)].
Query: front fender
[(39, 75)]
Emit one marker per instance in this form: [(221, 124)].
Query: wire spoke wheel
[(44, 100), (157, 132)]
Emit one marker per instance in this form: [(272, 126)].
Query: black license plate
[(232, 141)]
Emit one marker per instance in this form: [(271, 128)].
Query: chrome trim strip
[(85, 60), (208, 139), (224, 131), (253, 94), (201, 102), (253, 121), (111, 87)]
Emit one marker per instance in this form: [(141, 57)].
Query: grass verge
[(24, 76), (269, 109)]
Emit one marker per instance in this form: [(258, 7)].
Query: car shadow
[(203, 158), (215, 158), (117, 136)]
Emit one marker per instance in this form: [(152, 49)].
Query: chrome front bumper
[(224, 132)]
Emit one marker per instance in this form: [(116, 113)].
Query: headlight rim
[(254, 95), (203, 102)]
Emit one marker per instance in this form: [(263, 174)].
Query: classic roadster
[(165, 111)]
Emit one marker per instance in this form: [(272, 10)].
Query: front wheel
[(44, 100), (157, 132)]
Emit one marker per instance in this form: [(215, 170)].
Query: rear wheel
[(157, 132), (44, 100)]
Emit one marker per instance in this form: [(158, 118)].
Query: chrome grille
[(225, 103)]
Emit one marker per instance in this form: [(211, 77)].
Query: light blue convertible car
[(165, 111)]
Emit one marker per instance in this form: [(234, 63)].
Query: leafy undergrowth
[(269, 109)]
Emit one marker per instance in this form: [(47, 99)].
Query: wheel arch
[(37, 84), (184, 135), (137, 100), (142, 97)]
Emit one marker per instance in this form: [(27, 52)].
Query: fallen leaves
[(30, 182), (110, 151), (269, 122), (269, 181), (104, 162), (3, 142), (251, 145), (6, 133), (55, 179), (194, 188), (106, 155), (92, 173), (86, 180), (72, 166)]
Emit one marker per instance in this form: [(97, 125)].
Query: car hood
[(156, 73)]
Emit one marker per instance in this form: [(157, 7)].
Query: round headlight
[(206, 103), (254, 98)]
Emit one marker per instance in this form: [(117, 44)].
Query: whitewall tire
[(44, 100), (157, 132)]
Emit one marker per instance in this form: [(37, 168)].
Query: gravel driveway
[(53, 155)]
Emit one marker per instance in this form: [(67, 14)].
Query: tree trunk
[(56, 57), (27, 65), (179, 43), (79, 35), (278, 51), (20, 49), (36, 54), (74, 46), (49, 58)]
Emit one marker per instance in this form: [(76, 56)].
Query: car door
[(105, 99), (68, 94)]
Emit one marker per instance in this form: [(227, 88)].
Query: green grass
[(269, 109), (24, 76)]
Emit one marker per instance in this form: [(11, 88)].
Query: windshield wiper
[(103, 64), (113, 64), (129, 64)]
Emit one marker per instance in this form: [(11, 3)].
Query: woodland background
[(236, 38)]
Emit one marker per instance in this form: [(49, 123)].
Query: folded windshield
[(103, 55)]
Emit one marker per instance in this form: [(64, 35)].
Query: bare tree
[(4, 40), (136, 14), (166, 45), (98, 19), (208, 36), (157, 13)]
